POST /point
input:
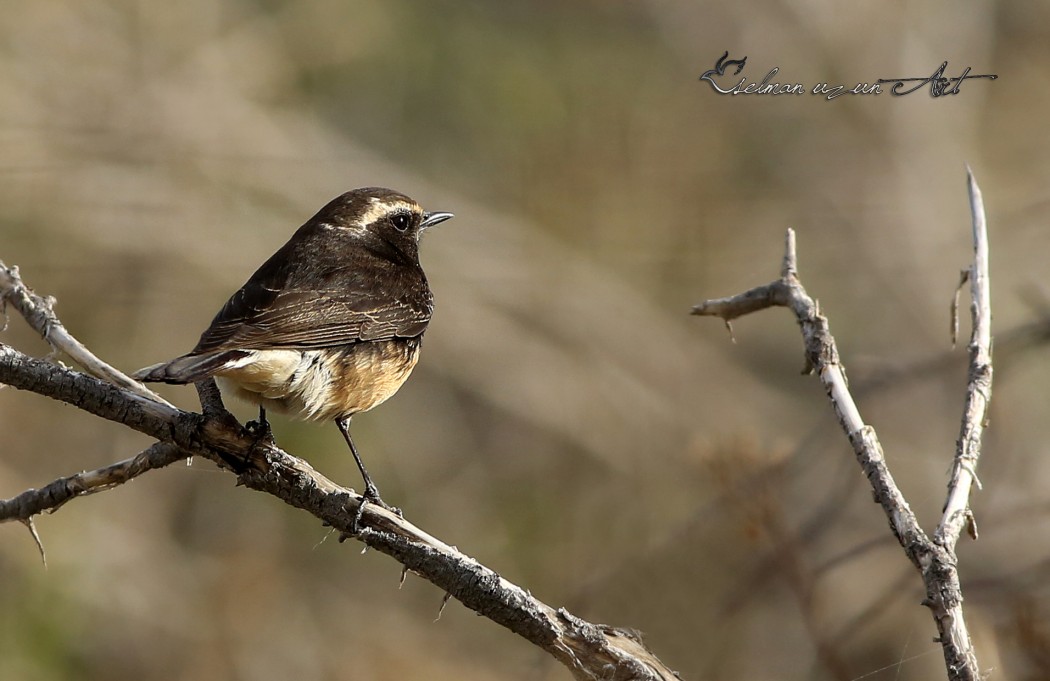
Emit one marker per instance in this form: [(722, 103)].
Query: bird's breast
[(325, 383)]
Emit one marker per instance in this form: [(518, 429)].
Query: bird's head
[(378, 217)]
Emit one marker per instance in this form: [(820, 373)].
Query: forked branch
[(934, 558)]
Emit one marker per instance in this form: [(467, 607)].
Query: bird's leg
[(371, 493), (260, 429)]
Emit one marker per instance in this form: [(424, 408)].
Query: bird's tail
[(188, 368)]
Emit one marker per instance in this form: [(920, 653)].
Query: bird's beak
[(431, 219)]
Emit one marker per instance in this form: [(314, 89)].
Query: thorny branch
[(934, 558), (590, 651), (54, 495)]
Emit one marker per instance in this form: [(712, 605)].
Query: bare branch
[(823, 358), (52, 496), (956, 514), (935, 561), (39, 314), (590, 651), (728, 309)]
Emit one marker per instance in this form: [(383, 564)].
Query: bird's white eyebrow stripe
[(379, 208)]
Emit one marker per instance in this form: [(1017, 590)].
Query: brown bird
[(331, 324)]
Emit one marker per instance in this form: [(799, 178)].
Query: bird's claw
[(260, 431), (370, 496)]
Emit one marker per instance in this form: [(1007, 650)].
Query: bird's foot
[(261, 435), (370, 496), (260, 429)]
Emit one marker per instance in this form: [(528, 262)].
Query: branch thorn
[(28, 522), (444, 601)]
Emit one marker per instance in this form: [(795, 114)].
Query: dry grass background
[(569, 425)]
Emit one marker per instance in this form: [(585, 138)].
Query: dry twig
[(934, 558), (38, 312), (978, 388), (54, 495)]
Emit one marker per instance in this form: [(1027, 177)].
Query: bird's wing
[(347, 307)]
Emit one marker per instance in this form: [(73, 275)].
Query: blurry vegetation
[(569, 425)]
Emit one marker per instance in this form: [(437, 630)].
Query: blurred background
[(569, 425)]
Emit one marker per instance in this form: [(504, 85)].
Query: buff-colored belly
[(322, 384)]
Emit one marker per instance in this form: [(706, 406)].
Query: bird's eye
[(401, 221)]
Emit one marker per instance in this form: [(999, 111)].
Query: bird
[(330, 325)]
